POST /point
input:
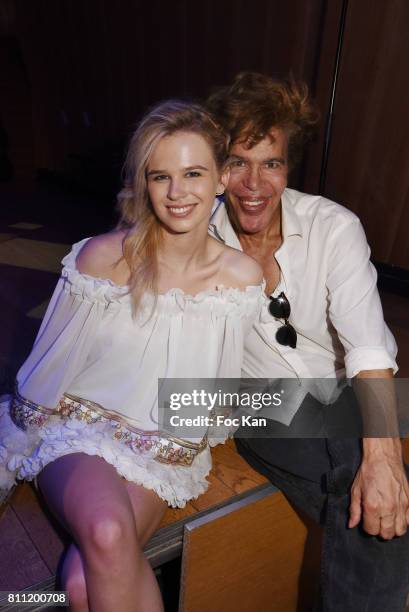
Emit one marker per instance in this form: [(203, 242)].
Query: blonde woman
[(158, 297)]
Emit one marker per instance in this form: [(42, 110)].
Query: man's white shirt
[(330, 283)]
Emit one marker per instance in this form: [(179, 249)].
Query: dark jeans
[(359, 572)]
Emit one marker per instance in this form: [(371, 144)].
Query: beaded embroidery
[(166, 449)]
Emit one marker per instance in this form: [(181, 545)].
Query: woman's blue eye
[(160, 177)]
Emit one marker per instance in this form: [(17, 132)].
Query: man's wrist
[(381, 448)]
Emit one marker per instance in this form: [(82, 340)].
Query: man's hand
[(380, 492)]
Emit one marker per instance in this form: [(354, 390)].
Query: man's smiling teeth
[(252, 202)]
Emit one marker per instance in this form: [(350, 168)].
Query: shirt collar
[(221, 227), (290, 222)]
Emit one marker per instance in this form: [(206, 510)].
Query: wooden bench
[(241, 544)]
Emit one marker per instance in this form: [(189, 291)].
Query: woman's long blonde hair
[(136, 213)]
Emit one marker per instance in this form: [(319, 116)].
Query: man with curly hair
[(325, 321)]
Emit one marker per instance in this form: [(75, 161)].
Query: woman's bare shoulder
[(240, 269), (100, 254)]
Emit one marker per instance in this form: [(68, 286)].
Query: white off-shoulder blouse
[(90, 346)]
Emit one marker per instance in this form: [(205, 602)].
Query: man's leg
[(358, 571)]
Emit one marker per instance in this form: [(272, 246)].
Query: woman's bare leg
[(73, 580), (93, 503), (72, 574)]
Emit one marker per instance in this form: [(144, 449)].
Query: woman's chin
[(185, 225)]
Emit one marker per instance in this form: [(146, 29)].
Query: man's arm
[(380, 492)]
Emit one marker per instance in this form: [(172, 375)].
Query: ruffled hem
[(23, 454), (107, 292)]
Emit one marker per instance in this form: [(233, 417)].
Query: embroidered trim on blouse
[(165, 448)]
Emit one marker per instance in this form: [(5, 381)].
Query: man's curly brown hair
[(255, 103)]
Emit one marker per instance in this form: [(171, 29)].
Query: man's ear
[(223, 181)]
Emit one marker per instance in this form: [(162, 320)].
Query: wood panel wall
[(368, 167)]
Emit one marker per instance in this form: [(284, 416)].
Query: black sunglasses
[(280, 308)]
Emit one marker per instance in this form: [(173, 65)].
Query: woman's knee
[(109, 531)]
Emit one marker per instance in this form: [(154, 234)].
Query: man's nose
[(176, 189), (252, 179)]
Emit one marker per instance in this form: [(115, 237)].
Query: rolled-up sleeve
[(355, 308)]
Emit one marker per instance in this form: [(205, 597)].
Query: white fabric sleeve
[(355, 308), (62, 344)]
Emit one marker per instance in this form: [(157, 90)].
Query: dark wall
[(94, 67), (16, 138)]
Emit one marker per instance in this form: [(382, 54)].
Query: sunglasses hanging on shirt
[(280, 308)]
